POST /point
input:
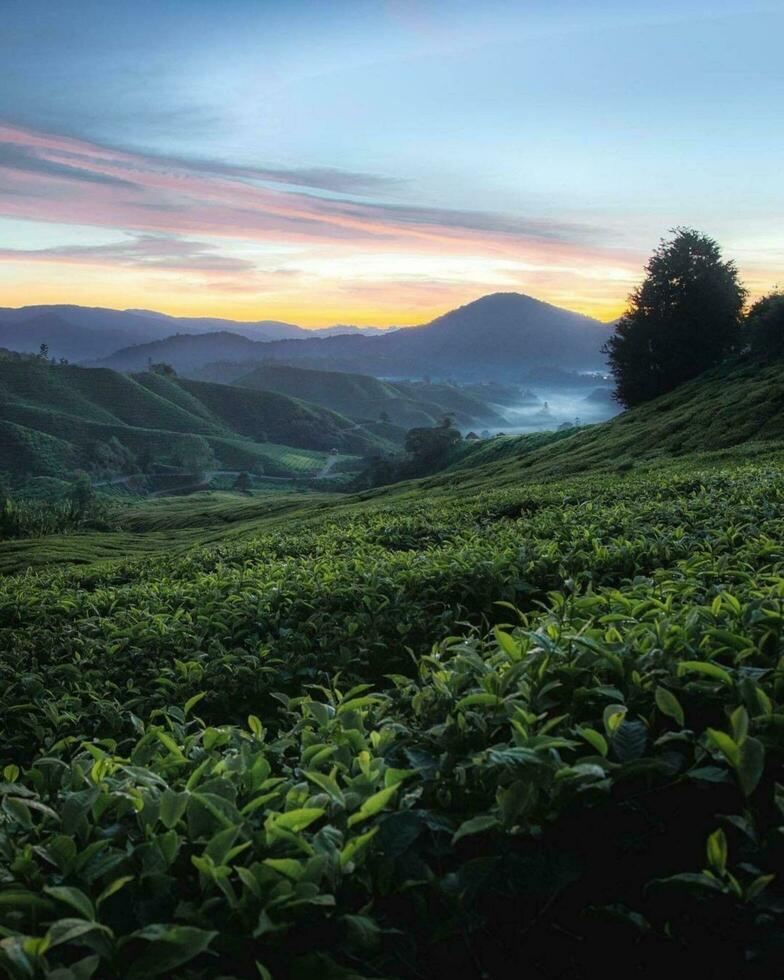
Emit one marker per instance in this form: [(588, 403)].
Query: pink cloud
[(56, 178)]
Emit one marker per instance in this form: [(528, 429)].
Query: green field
[(524, 716)]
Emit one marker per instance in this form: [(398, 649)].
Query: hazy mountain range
[(500, 336), (497, 336), (82, 333)]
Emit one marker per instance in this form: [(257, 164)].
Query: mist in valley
[(544, 406)]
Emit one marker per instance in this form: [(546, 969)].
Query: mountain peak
[(511, 303)]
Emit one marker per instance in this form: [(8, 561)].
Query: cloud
[(143, 251), (234, 227), (177, 195), (318, 178), (15, 157)]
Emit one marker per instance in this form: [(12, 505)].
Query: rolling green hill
[(536, 698), (408, 404), (55, 418)]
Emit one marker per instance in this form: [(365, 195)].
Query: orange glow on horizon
[(94, 225), (310, 313)]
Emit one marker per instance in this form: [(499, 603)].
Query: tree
[(7, 522), (243, 483), (196, 456), (764, 326), (682, 320), (82, 495), (43, 352), (430, 447), (162, 368)]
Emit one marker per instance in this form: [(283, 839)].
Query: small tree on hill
[(682, 320), (431, 447), (82, 496), (162, 368), (196, 456), (243, 483), (43, 352), (764, 326)]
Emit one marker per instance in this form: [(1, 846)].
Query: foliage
[(427, 450), (196, 456), (764, 326), (74, 508), (243, 483), (82, 496), (164, 369), (682, 320), (230, 757)]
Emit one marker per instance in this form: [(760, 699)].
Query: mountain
[(186, 352), (501, 336), (56, 418), (69, 334), (360, 396), (254, 329), (82, 333)]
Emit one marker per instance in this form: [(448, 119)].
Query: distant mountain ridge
[(82, 333), (497, 336)]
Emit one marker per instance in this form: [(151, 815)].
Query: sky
[(380, 161)]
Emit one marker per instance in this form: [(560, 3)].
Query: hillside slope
[(737, 405), (58, 417), (363, 397)]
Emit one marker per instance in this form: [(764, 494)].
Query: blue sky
[(380, 161)]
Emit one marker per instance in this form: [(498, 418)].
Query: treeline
[(78, 509), (688, 315), (427, 450)]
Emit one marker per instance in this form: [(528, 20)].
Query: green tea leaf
[(669, 705)]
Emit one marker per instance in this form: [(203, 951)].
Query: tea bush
[(536, 730)]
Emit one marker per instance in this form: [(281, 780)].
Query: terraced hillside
[(407, 404), (55, 418), (541, 711)]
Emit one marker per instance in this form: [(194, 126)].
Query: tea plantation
[(531, 729)]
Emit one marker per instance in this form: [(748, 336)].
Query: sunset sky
[(380, 162)]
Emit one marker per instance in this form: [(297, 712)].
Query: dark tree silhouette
[(683, 319), (430, 447), (162, 368), (764, 326)]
